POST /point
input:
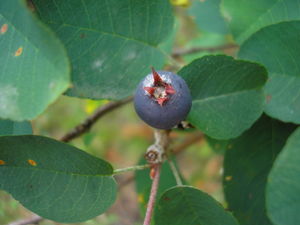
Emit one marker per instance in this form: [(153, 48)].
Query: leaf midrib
[(189, 204), (107, 33), (57, 171), (225, 95), (186, 195)]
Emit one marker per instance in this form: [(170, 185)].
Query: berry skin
[(162, 99)]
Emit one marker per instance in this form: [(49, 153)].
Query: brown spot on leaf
[(141, 198), (228, 178), (250, 196), (4, 28), (30, 5), (167, 198), (19, 51), (32, 162), (2, 162), (268, 98), (82, 35)]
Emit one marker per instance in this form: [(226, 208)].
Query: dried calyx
[(159, 90)]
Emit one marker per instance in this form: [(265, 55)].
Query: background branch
[(180, 52), (190, 140), (89, 121), (125, 182), (33, 220)]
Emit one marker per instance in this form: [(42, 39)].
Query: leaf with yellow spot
[(19, 51), (34, 59), (141, 199), (32, 162), (228, 178), (4, 28), (284, 184), (247, 163), (67, 184), (112, 45)]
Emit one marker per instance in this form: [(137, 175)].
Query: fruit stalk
[(175, 172), (155, 153)]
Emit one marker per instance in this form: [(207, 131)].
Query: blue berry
[(162, 99)]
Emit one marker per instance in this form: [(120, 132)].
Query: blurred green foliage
[(121, 138)]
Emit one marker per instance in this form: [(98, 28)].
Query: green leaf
[(112, 44), (247, 17), (227, 94), (190, 206), (8, 127), (168, 44), (34, 65), (208, 16), (248, 161), (283, 199), (55, 180), (278, 48)]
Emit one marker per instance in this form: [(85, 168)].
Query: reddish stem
[(152, 197)]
